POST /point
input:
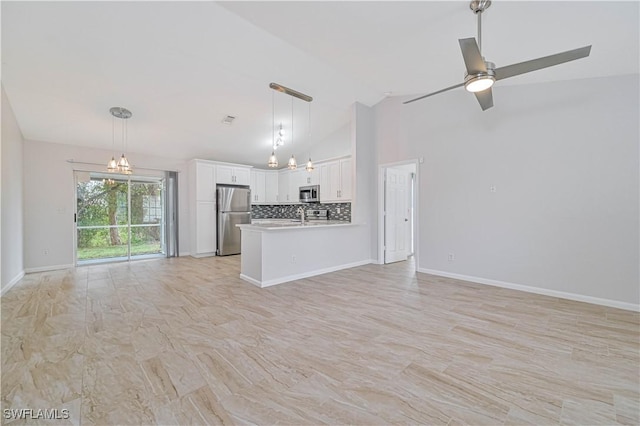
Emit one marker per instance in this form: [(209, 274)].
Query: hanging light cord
[(126, 134), (113, 134), (309, 130)]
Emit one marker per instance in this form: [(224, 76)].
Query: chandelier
[(122, 165)]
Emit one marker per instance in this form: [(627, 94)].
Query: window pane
[(96, 243)]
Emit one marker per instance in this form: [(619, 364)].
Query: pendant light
[(309, 167), (292, 164), (292, 161), (273, 160), (123, 165)]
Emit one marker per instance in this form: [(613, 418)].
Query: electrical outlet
[(293, 258), (45, 252), (338, 210), (451, 257), (493, 188)]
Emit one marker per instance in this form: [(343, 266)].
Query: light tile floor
[(185, 341)]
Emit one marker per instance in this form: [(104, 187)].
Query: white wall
[(563, 157), (364, 155), (49, 198), (11, 228), (337, 144)]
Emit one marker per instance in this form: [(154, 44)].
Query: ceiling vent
[(228, 120)]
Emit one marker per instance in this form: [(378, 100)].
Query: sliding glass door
[(147, 218), (119, 217)]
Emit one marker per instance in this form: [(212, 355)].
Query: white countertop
[(278, 224)]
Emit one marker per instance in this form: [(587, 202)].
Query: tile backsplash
[(290, 211)]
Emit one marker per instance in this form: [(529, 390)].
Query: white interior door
[(396, 215)]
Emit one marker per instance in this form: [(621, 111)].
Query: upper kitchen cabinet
[(284, 189), (233, 174), (203, 180), (297, 178), (311, 178), (271, 187), (336, 181), (264, 186)]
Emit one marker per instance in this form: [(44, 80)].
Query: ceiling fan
[(481, 74)]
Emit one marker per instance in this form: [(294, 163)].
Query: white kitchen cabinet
[(258, 188), (297, 178), (202, 207), (234, 175), (312, 177), (336, 181), (205, 224), (284, 189), (205, 181), (346, 179), (264, 186), (271, 187)]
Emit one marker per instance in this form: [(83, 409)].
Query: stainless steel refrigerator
[(233, 208)]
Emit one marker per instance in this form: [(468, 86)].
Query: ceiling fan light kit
[(479, 82), (481, 75)]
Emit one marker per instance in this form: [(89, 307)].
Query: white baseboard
[(253, 281), (294, 277), (201, 255), (184, 254), (11, 283), (537, 290), (48, 268)]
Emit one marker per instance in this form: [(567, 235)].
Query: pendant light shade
[(309, 167), (112, 165), (123, 165), (292, 163), (273, 160)]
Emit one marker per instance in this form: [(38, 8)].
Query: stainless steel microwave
[(310, 194)]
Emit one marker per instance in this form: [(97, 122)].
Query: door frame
[(381, 208), (129, 179)]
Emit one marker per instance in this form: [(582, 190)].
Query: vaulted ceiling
[(180, 67)]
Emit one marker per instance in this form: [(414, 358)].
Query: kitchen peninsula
[(275, 252)]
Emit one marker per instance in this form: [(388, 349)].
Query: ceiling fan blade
[(544, 62), (434, 93), (485, 99), (472, 57)]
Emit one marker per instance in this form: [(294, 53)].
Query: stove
[(321, 214)]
